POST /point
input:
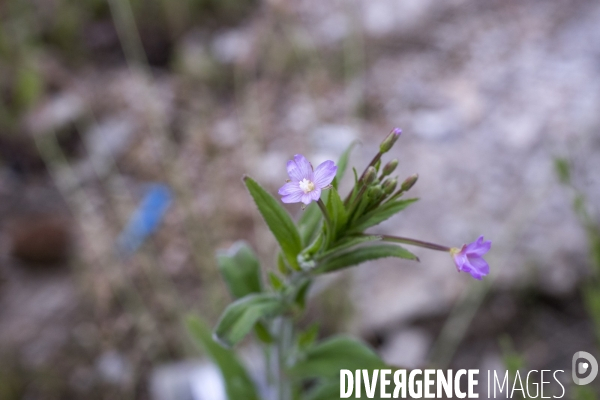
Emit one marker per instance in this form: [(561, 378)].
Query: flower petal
[(315, 194), (324, 174), (479, 265), (294, 172), (306, 169), (293, 197), (307, 198), (479, 247), (460, 260), (470, 269), (289, 188)]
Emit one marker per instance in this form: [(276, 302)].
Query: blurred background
[(126, 126)]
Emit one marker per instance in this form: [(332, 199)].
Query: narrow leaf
[(337, 212), (363, 254), (239, 317), (302, 291), (344, 244), (278, 220), (343, 163), (240, 269), (309, 221), (380, 214), (308, 337), (262, 333), (327, 358), (276, 282), (238, 384)]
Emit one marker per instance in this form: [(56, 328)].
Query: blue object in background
[(145, 219)]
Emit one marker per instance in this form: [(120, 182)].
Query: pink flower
[(469, 258), (305, 184)]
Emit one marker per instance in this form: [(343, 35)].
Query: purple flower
[(305, 185), (469, 258)]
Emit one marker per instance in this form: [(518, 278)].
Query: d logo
[(584, 367)]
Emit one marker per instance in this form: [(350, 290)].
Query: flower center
[(306, 185)]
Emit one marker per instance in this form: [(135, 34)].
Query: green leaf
[(302, 291), (262, 333), (327, 390), (343, 163), (281, 265), (337, 212), (308, 337), (239, 317), (238, 384), (309, 222), (327, 358), (278, 220), (346, 243), (240, 269), (276, 283), (360, 255), (380, 214)]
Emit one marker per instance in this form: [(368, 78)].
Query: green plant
[(329, 236)]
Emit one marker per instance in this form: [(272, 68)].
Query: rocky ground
[(488, 95)]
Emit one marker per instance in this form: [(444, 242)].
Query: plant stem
[(371, 164), (414, 242), (330, 231), (283, 344), (359, 181)]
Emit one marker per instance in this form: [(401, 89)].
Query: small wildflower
[(305, 184), (470, 258)]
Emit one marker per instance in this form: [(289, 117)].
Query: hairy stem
[(414, 242), (360, 180), (328, 221), (284, 335)]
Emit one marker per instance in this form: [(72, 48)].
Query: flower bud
[(409, 182), (389, 167), (370, 175), (389, 141), (389, 186), (375, 192)]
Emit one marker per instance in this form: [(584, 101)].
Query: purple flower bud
[(389, 186), (469, 258), (389, 141), (305, 183), (370, 175), (409, 182), (389, 167)]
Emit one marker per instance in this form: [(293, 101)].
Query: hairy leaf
[(344, 244), (278, 220), (238, 384), (239, 317), (240, 269), (325, 359), (309, 222), (337, 212), (380, 214), (360, 255)]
